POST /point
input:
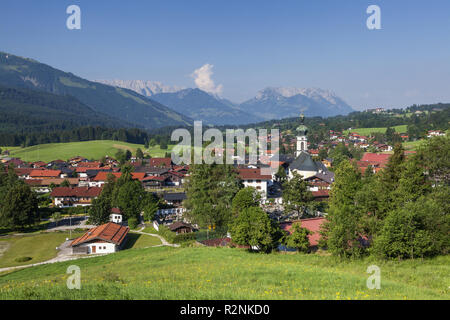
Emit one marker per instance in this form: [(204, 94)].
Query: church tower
[(302, 140)]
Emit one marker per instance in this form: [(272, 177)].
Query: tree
[(65, 183), (281, 174), (56, 217), (342, 230), (100, 210), (298, 238), (129, 199), (245, 198), (254, 228), (406, 233), (150, 206), (139, 153), (323, 154), (296, 195), (210, 191), (19, 207)]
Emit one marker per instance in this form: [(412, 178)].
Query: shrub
[(23, 259), (184, 237), (132, 223)]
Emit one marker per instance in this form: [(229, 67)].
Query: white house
[(106, 238), (255, 179)]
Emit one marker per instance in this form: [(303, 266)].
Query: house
[(154, 181), (435, 133), (255, 179), (116, 216), (74, 197), (46, 174), (175, 199), (314, 225), (101, 178), (106, 238), (161, 162), (44, 185), (181, 227)]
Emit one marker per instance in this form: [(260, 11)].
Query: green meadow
[(89, 149), (228, 273), (368, 131)]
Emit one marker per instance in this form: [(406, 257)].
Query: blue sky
[(251, 44)]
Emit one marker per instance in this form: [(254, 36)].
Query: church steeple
[(302, 140)]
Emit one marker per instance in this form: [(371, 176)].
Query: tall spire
[(302, 140)]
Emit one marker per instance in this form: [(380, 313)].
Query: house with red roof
[(314, 225), (106, 238), (46, 174), (255, 179), (74, 197), (161, 162), (101, 177)]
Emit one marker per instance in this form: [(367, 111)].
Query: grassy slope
[(368, 131), (223, 273), (88, 149)]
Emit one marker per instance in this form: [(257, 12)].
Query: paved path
[(164, 241)]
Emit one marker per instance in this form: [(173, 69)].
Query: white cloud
[(203, 81)]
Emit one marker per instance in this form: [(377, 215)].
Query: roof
[(376, 157), (177, 225), (155, 178), (304, 162), (45, 173), (313, 225), (103, 176), (322, 193), (253, 174), (109, 232), (176, 196), (157, 162), (48, 182), (85, 192)]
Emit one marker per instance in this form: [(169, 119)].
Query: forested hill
[(120, 103), (25, 110), (417, 118)]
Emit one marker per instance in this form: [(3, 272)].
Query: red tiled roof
[(80, 192), (157, 162), (109, 232), (321, 193), (103, 176), (45, 173), (23, 171), (313, 225), (253, 174), (376, 157)]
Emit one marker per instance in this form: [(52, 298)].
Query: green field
[(137, 241), (368, 131), (227, 273), (413, 145), (40, 247), (89, 149)]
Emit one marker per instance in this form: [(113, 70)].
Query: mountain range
[(150, 104), (269, 103), (120, 103)]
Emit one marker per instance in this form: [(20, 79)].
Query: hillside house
[(106, 238)]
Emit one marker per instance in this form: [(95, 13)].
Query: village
[(76, 182)]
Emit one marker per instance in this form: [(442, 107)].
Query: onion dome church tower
[(302, 140)]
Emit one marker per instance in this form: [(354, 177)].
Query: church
[(303, 162)]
